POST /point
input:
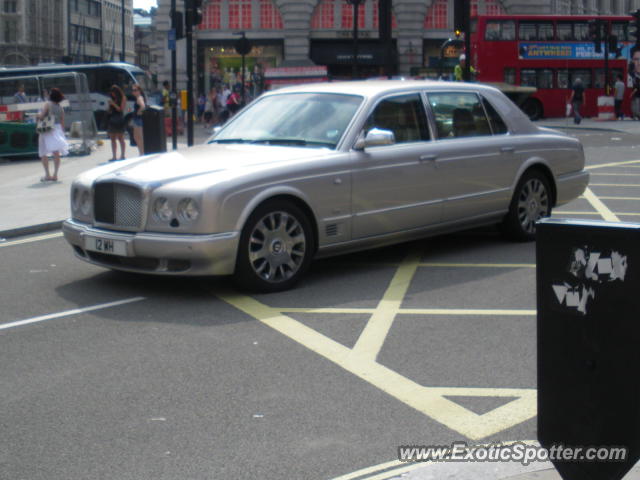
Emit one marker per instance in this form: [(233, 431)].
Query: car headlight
[(75, 199), (188, 209), (162, 210), (85, 202)]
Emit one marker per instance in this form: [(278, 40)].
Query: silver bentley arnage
[(318, 170)]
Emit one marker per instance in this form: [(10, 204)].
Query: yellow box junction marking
[(361, 360)]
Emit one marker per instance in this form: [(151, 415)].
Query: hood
[(160, 169)]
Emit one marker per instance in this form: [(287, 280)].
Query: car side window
[(403, 115), (497, 124), (459, 115)]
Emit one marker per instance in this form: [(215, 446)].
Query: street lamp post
[(354, 65)]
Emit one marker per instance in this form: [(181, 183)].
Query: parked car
[(317, 170)]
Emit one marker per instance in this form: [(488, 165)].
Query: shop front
[(338, 57), (219, 64)]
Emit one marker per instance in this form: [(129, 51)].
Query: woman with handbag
[(116, 121), (51, 140)]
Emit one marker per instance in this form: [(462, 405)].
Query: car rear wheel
[(533, 109), (531, 201), (276, 246)]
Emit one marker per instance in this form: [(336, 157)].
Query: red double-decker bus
[(549, 53)]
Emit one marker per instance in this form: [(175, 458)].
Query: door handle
[(507, 149), (428, 158)]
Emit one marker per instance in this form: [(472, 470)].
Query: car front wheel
[(276, 246), (531, 202)]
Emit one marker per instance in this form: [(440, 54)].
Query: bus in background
[(549, 53), (100, 77)]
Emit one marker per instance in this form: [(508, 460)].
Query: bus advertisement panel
[(550, 53)]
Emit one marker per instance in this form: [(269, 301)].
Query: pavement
[(31, 206)]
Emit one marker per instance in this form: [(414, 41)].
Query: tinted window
[(459, 115), (497, 124), (537, 77), (403, 115), (536, 31)]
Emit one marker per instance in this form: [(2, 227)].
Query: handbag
[(45, 124), (116, 120)]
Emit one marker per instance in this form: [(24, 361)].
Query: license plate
[(106, 245)]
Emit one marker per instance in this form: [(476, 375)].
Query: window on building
[(10, 31), (347, 15), (437, 15), (240, 14), (10, 6), (324, 16), (269, 16), (211, 17)]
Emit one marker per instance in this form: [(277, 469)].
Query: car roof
[(372, 88)]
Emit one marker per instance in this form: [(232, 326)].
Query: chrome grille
[(118, 204)]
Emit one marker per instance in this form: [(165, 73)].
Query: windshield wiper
[(292, 141), (231, 140)]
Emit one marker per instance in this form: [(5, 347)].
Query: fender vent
[(331, 230)]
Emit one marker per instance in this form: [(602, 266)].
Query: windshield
[(143, 81), (296, 119)]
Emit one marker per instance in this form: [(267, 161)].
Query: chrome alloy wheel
[(533, 204), (277, 247)]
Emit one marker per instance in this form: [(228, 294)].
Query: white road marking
[(75, 311)]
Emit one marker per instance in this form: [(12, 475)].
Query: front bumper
[(157, 253)]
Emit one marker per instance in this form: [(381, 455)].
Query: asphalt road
[(116, 376)]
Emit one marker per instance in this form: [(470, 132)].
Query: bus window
[(536, 77), (535, 31), (620, 30), (581, 31), (583, 74), (527, 31), (500, 30), (565, 31), (563, 78), (510, 75)]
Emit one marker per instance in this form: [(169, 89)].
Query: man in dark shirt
[(577, 99)]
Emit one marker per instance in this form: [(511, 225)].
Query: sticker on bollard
[(588, 300)]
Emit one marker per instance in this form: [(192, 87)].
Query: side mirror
[(375, 138)]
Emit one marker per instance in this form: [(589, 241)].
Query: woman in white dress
[(53, 142)]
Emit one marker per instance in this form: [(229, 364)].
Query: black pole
[(124, 42), (174, 80), (354, 70), (189, 35), (606, 57), (242, 76)]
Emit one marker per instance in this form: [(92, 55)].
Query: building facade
[(74, 31), (319, 32)]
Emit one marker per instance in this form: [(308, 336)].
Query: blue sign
[(564, 51), (172, 39)]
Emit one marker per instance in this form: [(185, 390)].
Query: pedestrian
[(20, 96), (53, 141), (635, 96), (116, 121), (138, 110), (577, 99), (211, 108), (202, 104), (619, 96), (166, 98), (234, 102)]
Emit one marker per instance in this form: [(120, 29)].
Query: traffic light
[(595, 34), (634, 31), (461, 15), (177, 24), (194, 12)]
